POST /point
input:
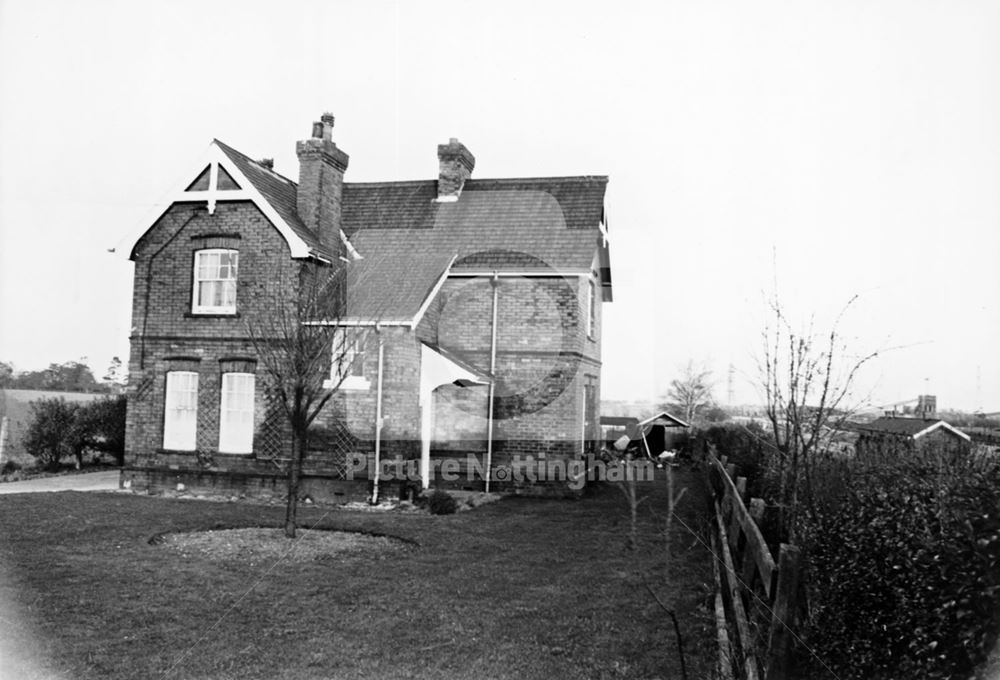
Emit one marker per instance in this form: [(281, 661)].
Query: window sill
[(196, 452), (354, 383), (211, 315)]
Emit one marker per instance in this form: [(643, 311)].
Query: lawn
[(522, 588)]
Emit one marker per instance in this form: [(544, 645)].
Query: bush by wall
[(441, 503)]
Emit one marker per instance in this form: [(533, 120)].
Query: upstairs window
[(236, 413), (215, 281), (180, 413), (591, 308)]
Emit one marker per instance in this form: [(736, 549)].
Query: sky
[(825, 150)]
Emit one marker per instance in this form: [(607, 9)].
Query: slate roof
[(280, 192), (507, 223), (392, 282), (619, 421), (407, 239)]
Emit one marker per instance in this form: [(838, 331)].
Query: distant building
[(904, 436)]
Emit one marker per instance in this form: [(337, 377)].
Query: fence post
[(779, 647), (741, 487)]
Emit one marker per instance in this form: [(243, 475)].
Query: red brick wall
[(544, 356), (167, 336)]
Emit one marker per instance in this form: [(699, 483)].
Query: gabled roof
[(909, 427), (279, 191), (663, 418), (408, 241), (246, 180)]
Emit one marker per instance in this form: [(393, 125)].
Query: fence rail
[(750, 579)]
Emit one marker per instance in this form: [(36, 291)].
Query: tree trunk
[(294, 474)]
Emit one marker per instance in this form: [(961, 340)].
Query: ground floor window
[(180, 418), (236, 413)]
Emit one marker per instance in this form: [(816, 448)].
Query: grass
[(521, 588)]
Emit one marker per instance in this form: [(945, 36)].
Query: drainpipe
[(378, 414), (495, 282)]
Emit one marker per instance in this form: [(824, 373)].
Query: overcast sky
[(837, 147)]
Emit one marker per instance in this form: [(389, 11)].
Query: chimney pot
[(321, 183), (456, 163), (327, 120)]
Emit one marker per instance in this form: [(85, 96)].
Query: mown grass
[(521, 588)]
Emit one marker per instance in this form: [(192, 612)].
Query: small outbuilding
[(652, 436), (661, 432)]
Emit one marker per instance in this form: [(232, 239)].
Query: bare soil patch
[(265, 544)]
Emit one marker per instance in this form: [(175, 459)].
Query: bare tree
[(692, 392), (305, 354), (807, 378)]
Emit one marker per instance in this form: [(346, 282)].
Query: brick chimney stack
[(321, 183), (456, 163)]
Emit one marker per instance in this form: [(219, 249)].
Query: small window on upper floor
[(214, 281), (591, 308)]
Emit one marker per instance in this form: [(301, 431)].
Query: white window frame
[(353, 360), (236, 412), (180, 411), (224, 308)]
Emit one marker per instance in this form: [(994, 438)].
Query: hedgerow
[(903, 575)]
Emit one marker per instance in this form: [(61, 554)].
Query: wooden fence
[(755, 600)]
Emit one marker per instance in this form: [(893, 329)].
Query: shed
[(660, 432)]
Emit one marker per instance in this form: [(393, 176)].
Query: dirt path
[(91, 481)]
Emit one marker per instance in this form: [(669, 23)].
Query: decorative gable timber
[(218, 178)]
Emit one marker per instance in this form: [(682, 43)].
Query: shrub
[(58, 429), (52, 433), (102, 426), (441, 503), (748, 446), (904, 570), (10, 467)]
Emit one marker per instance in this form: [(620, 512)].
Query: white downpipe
[(378, 416), (493, 365)]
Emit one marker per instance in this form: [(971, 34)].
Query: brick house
[(474, 308)]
